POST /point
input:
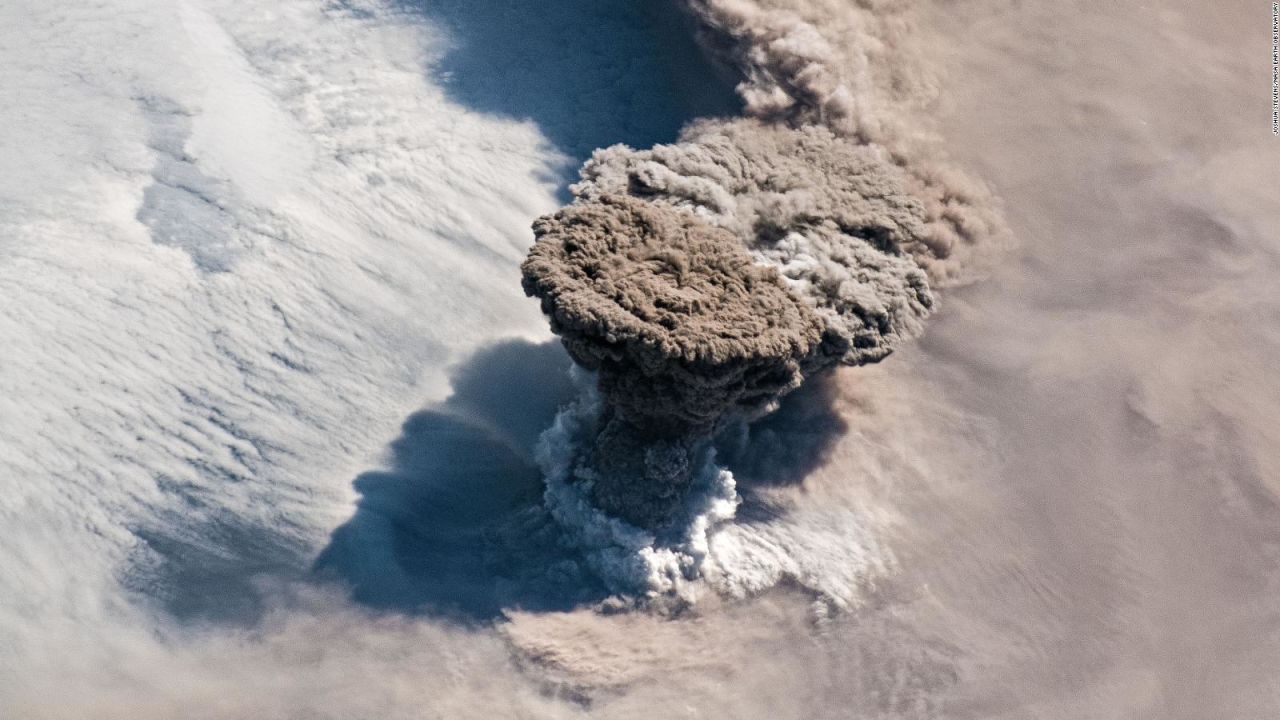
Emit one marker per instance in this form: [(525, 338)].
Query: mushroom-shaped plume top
[(681, 323)]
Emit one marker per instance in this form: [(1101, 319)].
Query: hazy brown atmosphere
[(1078, 466)]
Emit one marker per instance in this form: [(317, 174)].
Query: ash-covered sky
[(260, 264)]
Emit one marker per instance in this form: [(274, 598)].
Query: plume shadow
[(588, 73), (454, 526), (786, 446)]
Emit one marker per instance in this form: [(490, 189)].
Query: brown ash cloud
[(681, 326), (703, 280), (848, 66), (830, 214)]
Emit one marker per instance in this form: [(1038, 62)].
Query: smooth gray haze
[(281, 436)]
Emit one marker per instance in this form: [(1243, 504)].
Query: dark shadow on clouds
[(589, 73), (454, 525), (783, 448)]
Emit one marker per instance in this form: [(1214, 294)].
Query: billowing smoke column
[(830, 215), (702, 281), (682, 328)]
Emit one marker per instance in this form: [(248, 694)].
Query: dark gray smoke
[(705, 279)]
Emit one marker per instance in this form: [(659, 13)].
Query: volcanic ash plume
[(682, 328), (831, 215), (702, 281)]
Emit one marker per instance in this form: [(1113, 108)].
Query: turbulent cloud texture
[(680, 325), (655, 275), (849, 67), (828, 213), (672, 313)]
